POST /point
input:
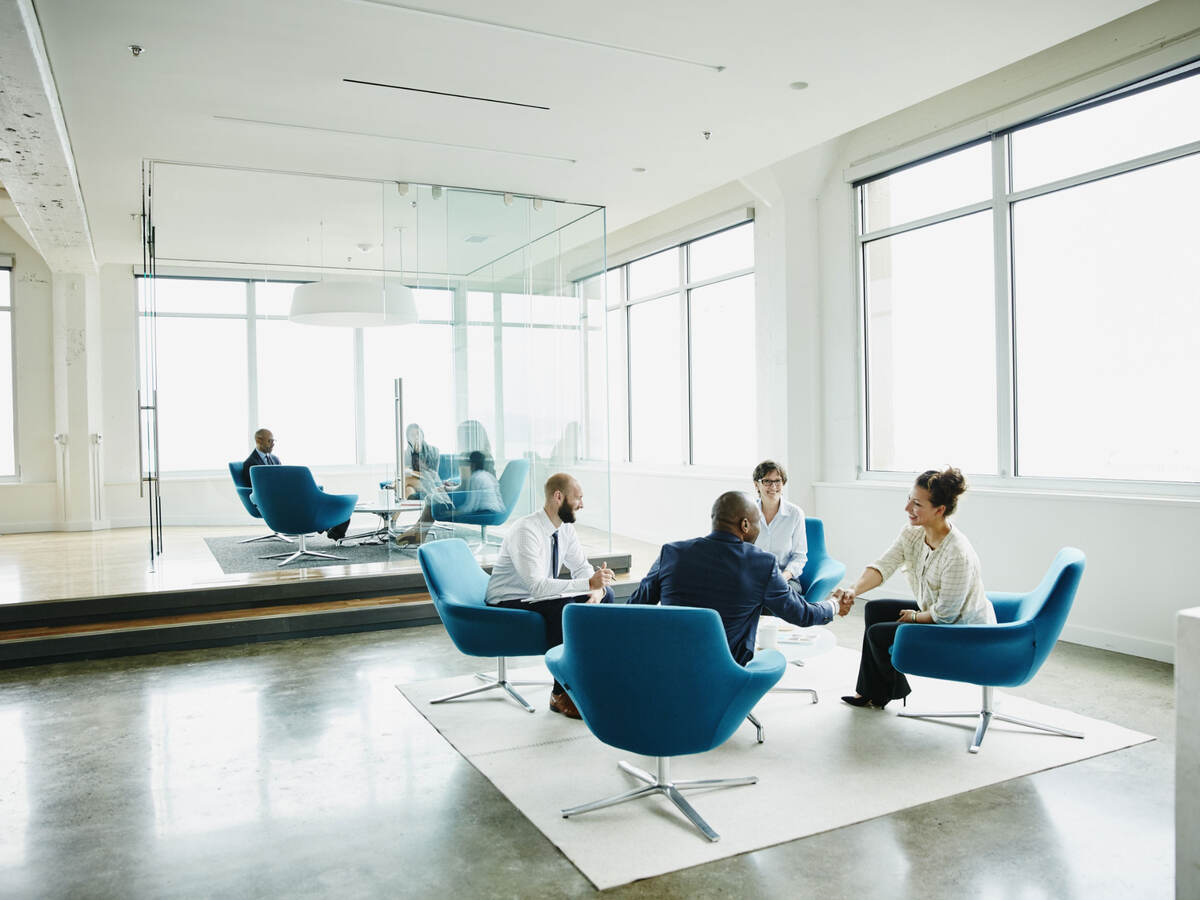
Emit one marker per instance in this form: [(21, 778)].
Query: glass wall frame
[(526, 255)]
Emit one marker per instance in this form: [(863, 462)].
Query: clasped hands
[(844, 598), (599, 582)]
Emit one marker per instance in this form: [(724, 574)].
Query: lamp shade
[(352, 304)]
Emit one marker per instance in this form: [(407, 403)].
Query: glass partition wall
[(500, 347)]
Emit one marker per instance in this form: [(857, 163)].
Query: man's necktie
[(554, 555)]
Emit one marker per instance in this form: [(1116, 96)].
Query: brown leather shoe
[(562, 703)]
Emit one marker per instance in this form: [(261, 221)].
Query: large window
[(8, 416), (674, 319), (326, 392), (1030, 301)]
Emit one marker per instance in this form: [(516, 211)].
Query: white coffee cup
[(768, 633)]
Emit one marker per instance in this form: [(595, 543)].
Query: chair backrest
[(1048, 605), (291, 502), (821, 571), (448, 466), (512, 480), (655, 680), (452, 574)]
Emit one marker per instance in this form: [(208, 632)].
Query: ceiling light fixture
[(537, 204), (639, 169), (437, 192), (508, 199), (490, 23), (798, 85), (354, 304)]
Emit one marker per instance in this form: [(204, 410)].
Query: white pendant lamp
[(353, 304)]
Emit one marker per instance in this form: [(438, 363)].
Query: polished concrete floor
[(295, 769)]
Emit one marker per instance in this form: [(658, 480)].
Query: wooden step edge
[(251, 613)]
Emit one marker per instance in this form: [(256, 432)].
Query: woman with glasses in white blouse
[(943, 573), (781, 523)]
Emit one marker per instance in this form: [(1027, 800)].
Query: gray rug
[(236, 558)]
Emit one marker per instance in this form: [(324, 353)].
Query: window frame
[(683, 291), (1001, 203)]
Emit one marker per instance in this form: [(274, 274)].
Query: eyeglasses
[(771, 482)]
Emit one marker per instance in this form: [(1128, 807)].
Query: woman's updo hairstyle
[(944, 487)]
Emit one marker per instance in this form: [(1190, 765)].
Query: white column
[(1187, 754), (78, 440)]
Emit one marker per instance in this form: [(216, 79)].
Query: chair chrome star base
[(986, 714), (500, 681), (302, 551), (664, 785), (274, 536)]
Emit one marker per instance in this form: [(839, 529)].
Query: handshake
[(844, 597)]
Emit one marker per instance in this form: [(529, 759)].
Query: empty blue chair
[(658, 681), (1006, 654), (458, 585), (291, 503), (243, 492), (512, 482), (822, 573)]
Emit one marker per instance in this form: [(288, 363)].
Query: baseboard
[(28, 527), (1163, 651)]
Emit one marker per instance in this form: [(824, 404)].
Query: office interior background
[(987, 259)]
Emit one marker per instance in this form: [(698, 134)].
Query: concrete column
[(77, 401), (1187, 754)]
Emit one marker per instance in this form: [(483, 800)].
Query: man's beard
[(566, 513)]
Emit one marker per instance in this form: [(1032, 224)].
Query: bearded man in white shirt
[(526, 573)]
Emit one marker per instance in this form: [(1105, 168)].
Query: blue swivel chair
[(291, 503), (512, 482), (243, 492), (1006, 654), (821, 571), (658, 681), (457, 585)]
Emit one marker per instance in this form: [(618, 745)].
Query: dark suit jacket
[(736, 579), (253, 460)]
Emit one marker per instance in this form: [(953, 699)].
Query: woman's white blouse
[(784, 538), (946, 582)]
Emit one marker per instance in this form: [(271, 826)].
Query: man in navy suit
[(726, 572), (261, 455)]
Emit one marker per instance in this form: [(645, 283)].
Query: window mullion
[(252, 357), (685, 354), (1002, 270)]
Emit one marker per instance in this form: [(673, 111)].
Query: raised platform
[(77, 595)]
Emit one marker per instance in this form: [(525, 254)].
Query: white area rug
[(822, 766)]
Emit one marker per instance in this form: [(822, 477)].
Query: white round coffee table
[(797, 645)]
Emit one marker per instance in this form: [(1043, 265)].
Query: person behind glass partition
[(421, 463), (943, 573), (473, 436), (781, 524), (479, 493)]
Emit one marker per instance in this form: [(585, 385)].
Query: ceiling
[(261, 85)]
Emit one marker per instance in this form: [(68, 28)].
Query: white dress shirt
[(522, 570), (946, 582), (784, 538)]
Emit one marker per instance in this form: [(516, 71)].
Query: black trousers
[(878, 680), (551, 612)]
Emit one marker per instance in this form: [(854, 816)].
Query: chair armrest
[(1006, 604), (999, 655), (768, 666)]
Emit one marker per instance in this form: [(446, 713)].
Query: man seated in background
[(261, 455), (526, 572), (726, 572)]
